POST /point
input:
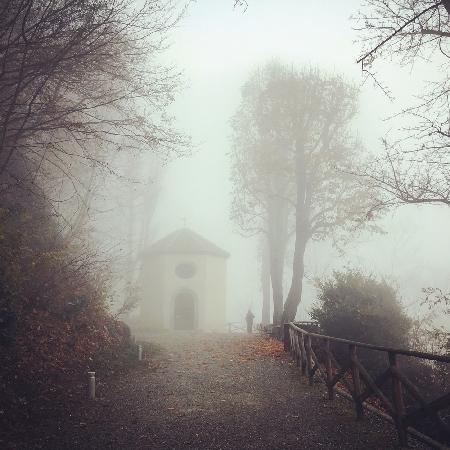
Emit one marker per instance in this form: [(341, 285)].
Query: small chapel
[(184, 284)]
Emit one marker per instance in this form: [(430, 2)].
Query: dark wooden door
[(184, 312)]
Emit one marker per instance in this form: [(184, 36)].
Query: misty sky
[(217, 46)]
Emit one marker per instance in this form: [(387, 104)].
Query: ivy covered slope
[(54, 317)]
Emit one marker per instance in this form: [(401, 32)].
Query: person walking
[(249, 319)]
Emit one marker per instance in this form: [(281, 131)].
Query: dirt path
[(213, 392)]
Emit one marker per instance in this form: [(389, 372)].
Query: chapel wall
[(195, 285), (215, 293)]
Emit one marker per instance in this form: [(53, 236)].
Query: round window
[(186, 270)]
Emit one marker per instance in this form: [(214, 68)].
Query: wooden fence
[(314, 355), (236, 327)]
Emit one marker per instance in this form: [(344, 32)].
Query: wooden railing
[(238, 327), (314, 355)]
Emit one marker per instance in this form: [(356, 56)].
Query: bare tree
[(80, 80), (82, 91), (416, 162), (293, 153), (262, 174), (328, 199)]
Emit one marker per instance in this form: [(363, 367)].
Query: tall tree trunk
[(278, 237), (301, 238), (295, 292), (265, 281), (276, 276)]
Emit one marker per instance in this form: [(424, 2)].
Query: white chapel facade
[(184, 284)]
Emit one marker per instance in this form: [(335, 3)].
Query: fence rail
[(314, 355), (238, 327)]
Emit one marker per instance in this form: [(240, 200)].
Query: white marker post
[(91, 385), (140, 352)]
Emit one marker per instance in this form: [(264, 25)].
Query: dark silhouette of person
[(249, 319)]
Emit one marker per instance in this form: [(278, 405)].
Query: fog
[(413, 249), (219, 219)]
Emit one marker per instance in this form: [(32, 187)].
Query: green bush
[(355, 306)]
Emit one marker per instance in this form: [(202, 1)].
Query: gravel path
[(205, 391)]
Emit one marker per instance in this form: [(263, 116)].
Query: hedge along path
[(214, 391), (313, 353)]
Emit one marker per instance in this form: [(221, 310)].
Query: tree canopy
[(293, 154)]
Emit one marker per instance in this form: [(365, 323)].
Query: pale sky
[(217, 46)]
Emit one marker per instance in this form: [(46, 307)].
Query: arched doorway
[(184, 312)]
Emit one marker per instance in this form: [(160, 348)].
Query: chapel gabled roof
[(187, 242)]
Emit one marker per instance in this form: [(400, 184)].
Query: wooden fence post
[(294, 347), (399, 404), (309, 360), (286, 339), (291, 343), (356, 382), (329, 370), (303, 353), (297, 348)]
